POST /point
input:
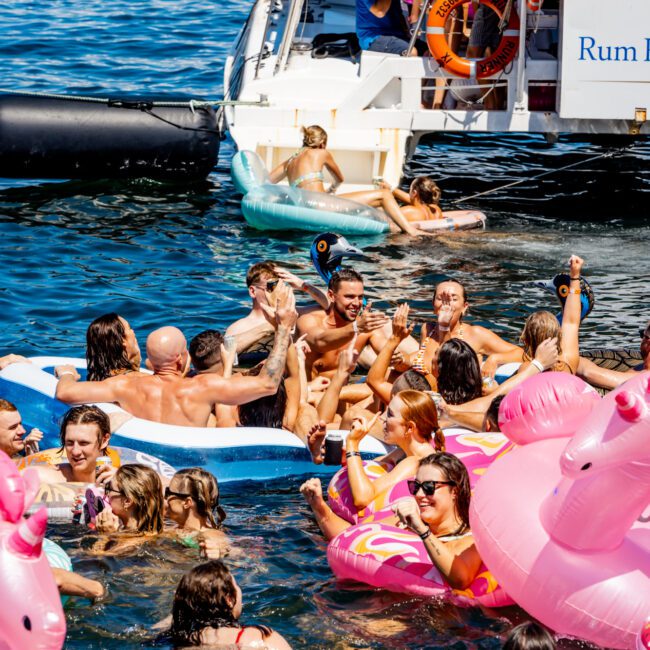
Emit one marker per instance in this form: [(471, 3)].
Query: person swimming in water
[(304, 169)]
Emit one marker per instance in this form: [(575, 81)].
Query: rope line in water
[(607, 154)]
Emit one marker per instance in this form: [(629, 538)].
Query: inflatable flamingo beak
[(27, 539), (629, 406)]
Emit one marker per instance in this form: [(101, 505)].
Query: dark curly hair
[(205, 598), (459, 373)]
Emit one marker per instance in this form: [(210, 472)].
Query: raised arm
[(571, 315), (329, 403), (297, 284), (377, 374)]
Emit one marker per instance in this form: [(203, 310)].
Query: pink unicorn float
[(560, 521), (34, 618)]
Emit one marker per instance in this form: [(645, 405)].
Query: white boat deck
[(372, 105)]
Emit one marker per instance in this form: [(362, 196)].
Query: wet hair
[(205, 350), (265, 411), (343, 275), (202, 486), (539, 326), (7, 406), (410, 380), (455, 472), (459, 373), (492, 413), (106, 353), (529, 636), (143, 487), (256, 272), (314, 137), (420, 409), (205, 598), (460, 284), (86, 414), (427, 190), (645, 343)]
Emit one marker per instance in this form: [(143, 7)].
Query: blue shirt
[(370, 26)]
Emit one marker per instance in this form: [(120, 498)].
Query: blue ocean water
[(161, 255)]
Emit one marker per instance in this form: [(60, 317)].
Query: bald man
[(168, 396)]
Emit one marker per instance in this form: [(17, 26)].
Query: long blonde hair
[(204, 490), (314, 137), (420, 409), (143, 487), (540, 326)]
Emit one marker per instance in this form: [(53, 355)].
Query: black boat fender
[(48, 137)]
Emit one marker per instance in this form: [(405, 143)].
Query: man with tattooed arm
[(168, 396)]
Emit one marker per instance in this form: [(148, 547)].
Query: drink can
[(333, 448), (101, 461)]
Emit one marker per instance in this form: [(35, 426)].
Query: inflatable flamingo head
[(616, 433), (548, 405), (33, 617)]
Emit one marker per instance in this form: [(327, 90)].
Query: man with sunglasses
[(168, 395), (262, 279)]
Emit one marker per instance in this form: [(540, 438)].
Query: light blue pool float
[(280, 207)]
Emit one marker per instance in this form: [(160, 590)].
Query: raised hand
[(575, 266), (348, 358), (446, 311), (285, 309), (371, 320), (408, 513), (292, 280), (547, 353), (401, 328), (302, 348), (32, 440), (107, 522), (361, 427)]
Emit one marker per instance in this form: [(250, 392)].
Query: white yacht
[(582, 67)]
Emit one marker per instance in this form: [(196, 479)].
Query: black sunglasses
[(171, 493), (271, 284), (428, 487), (109, 488)]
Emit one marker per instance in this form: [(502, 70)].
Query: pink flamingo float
[(560, 521), (33, 616)]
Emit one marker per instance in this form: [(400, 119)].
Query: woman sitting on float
[(440, 516), (409, 423), (304, 169), (542, 325), (450, 305)]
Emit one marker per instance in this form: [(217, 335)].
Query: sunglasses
[(109, 488), (269, 286), (428, 487), (170, 493)]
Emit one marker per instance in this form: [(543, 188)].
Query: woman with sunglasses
[(440, 516), (192, 503), (410, 422), (135, 508)]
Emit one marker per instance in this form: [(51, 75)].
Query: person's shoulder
[(312, 317), (240, 325)]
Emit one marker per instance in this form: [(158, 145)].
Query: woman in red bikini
[(206, 610)]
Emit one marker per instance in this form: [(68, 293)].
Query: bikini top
[(310, 176), (453, 538)]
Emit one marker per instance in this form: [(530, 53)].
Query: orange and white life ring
[(534, 5), (471, 68)]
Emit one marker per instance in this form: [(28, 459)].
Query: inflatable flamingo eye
[(563, 291), (321, 246), (585, 467), (27, 623)]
